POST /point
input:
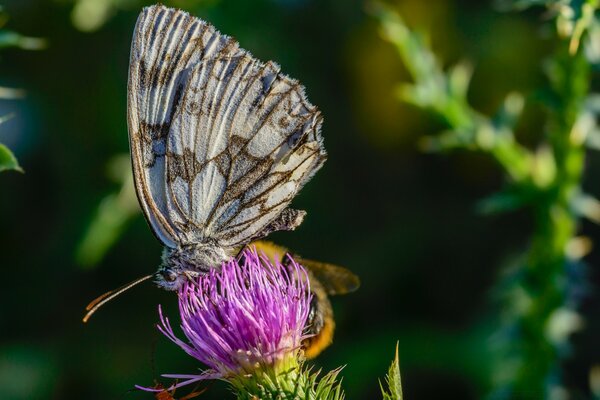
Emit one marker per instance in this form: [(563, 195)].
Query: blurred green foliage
[(8, 161), (539, 316), (112, 216), (10, 39), (401, 219)]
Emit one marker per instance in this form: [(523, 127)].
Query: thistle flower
[(246, 322)]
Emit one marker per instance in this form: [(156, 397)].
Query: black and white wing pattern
[(220, 142)]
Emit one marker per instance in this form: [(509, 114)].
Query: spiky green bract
[(393, 381), (295, 383)]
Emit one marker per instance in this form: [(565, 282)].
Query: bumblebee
[(325, 280)]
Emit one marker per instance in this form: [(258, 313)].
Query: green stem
[(549, 180), (555, 224)]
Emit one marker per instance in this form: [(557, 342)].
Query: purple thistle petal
[(250, 314)]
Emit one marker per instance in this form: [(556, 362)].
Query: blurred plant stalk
[(112, 216), (539, 313)]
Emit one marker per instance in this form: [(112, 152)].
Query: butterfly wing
[(221, 142)]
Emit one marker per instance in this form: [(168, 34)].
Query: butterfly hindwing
[(221, 142)]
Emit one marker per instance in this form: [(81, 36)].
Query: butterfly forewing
[(220, 142)]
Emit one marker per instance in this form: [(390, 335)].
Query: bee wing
[(333, 278), (325, 279), (221, 142)]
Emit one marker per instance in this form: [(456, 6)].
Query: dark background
[(404, 221)]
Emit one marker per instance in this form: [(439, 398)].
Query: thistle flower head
[(243, 320)]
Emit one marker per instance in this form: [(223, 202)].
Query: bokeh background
[(404, 221)]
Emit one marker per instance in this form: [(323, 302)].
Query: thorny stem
[(555, 223), (533, 354)]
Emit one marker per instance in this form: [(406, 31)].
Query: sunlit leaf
[(8, 161), (459, 78), (91, 15), (14, 39), (587, 206), (510, 110), (11, 93)]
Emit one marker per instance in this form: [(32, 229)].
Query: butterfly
[(220, 144)]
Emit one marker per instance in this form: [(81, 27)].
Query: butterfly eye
[(168, 275)]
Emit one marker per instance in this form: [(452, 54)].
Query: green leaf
[(104, 231), (393, 381), (459, 78), (510, 111), (8, 161), (113, 214), (14, 39)]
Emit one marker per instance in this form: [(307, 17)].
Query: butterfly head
[(170, 278), (187, 262)]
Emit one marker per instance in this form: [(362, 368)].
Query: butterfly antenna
[(108, 296)]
